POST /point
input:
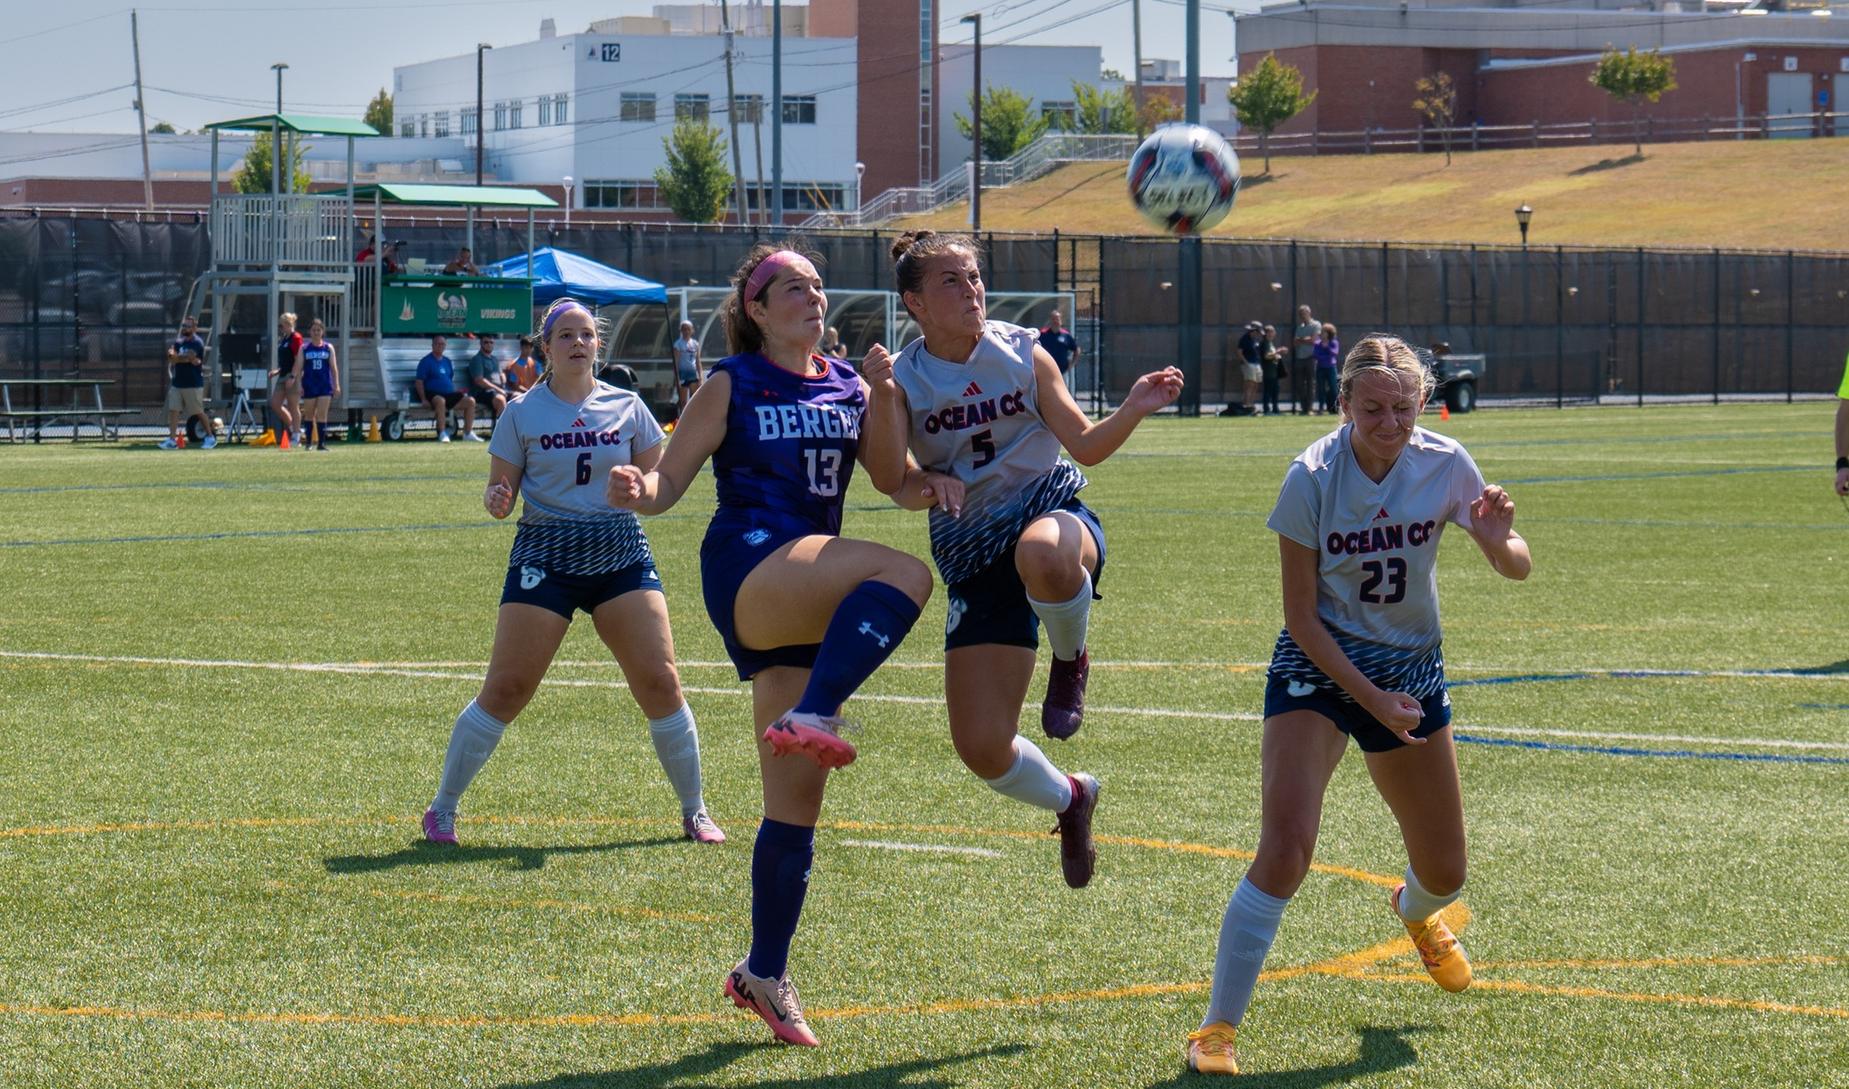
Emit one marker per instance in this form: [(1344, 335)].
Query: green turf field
[(227, 678)]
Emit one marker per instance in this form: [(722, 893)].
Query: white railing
[(292, 230), (1030, 162)]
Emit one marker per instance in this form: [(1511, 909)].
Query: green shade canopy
[(453, 196), (302, 123)]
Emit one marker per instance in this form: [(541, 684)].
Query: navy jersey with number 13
[(789, 448)]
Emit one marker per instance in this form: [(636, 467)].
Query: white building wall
[(1044, 73), (189, 155)]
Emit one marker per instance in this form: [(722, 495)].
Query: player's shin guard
[(1246, 933), (1033, 779), (471, 743), (780, 864), (866, 628), (677, 746), (1066, 622)]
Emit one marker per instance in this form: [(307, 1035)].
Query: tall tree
[(1098, 111), (1437, 103), (695, 180), (1268, 96), (253, 175), (1008, 123), (1635, 78), (379, 112), (1159, 110), (162, 127)]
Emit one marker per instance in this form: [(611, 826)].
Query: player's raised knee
[(909, 576)]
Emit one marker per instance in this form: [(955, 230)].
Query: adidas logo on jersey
[(1383, 514), (579, 422), (973, 391)]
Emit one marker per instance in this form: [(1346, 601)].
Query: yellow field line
[(1667, 962), (1522, 987)]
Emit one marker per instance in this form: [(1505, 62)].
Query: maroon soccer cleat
[(1064, 707)]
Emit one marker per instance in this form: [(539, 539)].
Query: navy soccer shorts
[(1282, 696), (991, 608), (564, 594)]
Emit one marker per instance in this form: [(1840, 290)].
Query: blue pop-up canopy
[(557, 273)]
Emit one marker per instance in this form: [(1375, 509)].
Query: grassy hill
[(1783, 194)]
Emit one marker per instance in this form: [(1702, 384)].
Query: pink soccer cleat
[(814, 736), (440, 827)]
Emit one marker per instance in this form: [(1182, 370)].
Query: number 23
[(1393, 573)]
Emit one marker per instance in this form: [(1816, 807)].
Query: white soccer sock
[(471, 743), (1246, 934), (677, 746), (1417, 905), (1066, 621), (1033, 779)]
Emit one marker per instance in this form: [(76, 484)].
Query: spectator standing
[(1328, 353), (485, 381), (524, 371), (463, 264), (186, 388), (1271, 362), (1251, 363), (436, 389), (686, 367), (1303, 359), (1061, 345)]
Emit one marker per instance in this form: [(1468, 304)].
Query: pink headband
[(570, 305), (768, 268)]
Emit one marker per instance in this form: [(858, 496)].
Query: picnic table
[(26, 405)]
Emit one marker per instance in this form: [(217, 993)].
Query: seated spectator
[(436, 390), (463, 264), (388, 260), (485, 381), (523, 373), (831, 343)]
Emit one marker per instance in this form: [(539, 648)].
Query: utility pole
[(757, 143), (731, 112), (1191, 243), (776, 117), (1136, 34), (141, 111), (975, 178), (276, 138), (481, 121)]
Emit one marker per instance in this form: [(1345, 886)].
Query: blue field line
[(1683, 754), (229, 485), (1522, 678), (1825, 706), (163, 538), (1736, 471)]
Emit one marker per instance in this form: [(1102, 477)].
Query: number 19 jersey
[(1377, 554), (565, 452)]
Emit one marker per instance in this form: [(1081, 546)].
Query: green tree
[(1268, 96), (254, 175), (1437, 103), (695, 180), (1159, 110), (1635, 78), (379, 112), (1008, 123), (163, 128), (1098, 112)]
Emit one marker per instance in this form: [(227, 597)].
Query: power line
[(64, 26)]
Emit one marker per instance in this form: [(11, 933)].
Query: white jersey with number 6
[(1377, 553)]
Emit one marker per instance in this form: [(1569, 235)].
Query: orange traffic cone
[(372, 430), (283, 443), (1444, 412)]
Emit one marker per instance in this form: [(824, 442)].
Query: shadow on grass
[(1248, 181), (1607, 164), (914, 1074), (1823, 670), (523, 858), (1382, 1049)]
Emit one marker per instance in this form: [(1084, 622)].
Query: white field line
[(372, 669), (927, 848)]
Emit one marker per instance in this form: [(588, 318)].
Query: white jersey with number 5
[(565, 451), (979, 420), (1377, 554)]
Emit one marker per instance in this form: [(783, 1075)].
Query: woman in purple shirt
[(1328, 353)]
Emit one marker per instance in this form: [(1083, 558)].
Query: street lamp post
[(860, 171), (481, 129), (1522, 216), (568, 200), (1739, 95), (276, 156), (975, 180)]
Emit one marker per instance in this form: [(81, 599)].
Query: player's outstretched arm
[(1397, 711), (503, 486), (1492, 526), (927, 488), (887, 429), (700, 431), (1091, 442)]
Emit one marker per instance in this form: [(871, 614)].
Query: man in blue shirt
[(186, 391), (436, 389), (1060, 344)]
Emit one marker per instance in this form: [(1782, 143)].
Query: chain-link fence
[(100, 298)]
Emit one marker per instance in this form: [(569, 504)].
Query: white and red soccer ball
[(1184, 178)]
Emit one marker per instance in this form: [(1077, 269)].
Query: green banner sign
[(451, 304)]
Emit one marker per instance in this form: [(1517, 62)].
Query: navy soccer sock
[(866, 629), (779, 880)]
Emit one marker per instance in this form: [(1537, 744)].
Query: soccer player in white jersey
[(980, 400), (557, 443), (1358, 522)]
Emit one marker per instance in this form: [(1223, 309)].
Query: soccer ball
[(1184, 178)]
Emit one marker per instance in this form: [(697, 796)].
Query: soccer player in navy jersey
[(555, 444), (1358, 521), (806, 614), (982, 401), (320, 374)]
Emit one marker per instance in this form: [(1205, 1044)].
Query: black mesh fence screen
[(100, 297)]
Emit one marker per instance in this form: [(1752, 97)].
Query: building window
[(500, 116), (799, 109), (423, 124), (631, 195), (1060, 116), (748, 108), (545, 111), (638, 106), (408, 127), (471, 121), (513, 115), (691, 107), (442, 125), (558, 109)]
